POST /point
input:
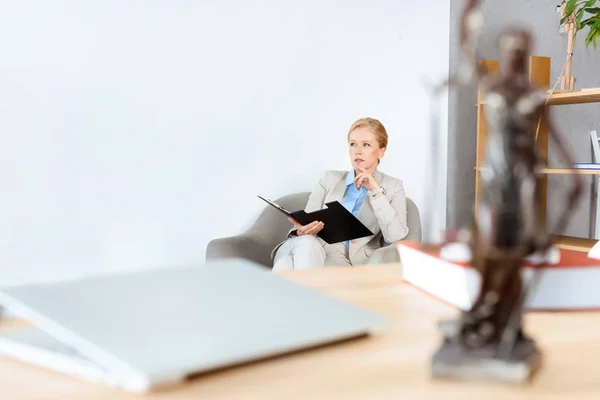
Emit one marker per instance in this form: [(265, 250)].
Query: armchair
[(271, 227)]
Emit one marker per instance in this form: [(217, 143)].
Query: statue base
[(458, 362)]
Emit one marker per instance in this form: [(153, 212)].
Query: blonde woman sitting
[(376, 199)]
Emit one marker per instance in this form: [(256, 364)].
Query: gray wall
[(573, 121)]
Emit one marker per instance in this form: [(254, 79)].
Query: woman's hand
[(364, 178), (311, 229)]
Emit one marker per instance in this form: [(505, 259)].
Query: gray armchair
[(271, 227)]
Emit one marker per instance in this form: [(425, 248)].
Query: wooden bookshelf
[(575, 97), (571, 97), (574, 243), (563, 171), (539, 75), (570, 171)]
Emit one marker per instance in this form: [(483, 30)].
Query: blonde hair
[(375, 126)]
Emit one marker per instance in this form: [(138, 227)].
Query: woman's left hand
[(364, 178)]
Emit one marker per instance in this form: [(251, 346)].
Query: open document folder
[(339, 224)]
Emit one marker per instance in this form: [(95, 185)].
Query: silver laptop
[(143, 330)]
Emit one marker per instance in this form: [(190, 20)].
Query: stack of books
[(569, 281)]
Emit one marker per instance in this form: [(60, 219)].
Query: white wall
[(135, 132)]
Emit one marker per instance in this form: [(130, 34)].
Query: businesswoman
[(376, 199)]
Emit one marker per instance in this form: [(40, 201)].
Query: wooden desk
[(391, 365)]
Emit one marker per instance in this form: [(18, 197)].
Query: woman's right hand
[(311, 229)]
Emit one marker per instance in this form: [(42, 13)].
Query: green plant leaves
[(585, 15), (578, 16), (570, 7), (588, 40), (594, 33)]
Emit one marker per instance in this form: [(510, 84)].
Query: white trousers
[(303, 252)]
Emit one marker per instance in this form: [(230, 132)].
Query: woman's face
[(364, 149)]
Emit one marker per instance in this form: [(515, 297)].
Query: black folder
[(339, 224)]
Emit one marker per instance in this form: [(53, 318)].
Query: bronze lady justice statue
[(488, 342)]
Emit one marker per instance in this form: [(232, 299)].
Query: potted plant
[(576, 15), (583, 13)]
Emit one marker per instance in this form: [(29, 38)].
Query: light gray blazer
[(385, 216)]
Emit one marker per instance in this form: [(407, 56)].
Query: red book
[(570, 283)]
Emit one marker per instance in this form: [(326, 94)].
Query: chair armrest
[(246, 245)]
